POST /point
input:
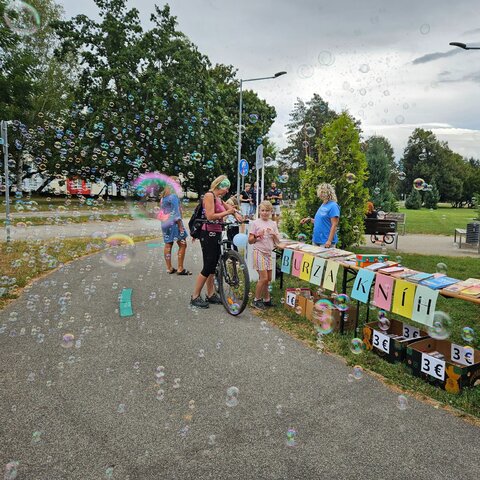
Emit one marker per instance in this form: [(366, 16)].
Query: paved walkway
[(73, 413)]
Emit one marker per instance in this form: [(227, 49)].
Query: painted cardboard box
[(444, 364), (391, 344), (364, 260)]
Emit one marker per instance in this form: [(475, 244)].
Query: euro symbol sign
[(384, 344), (468, 358), (438, 370)]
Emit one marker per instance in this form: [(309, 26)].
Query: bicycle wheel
[(373, 238), (233, 282), (388, 239)]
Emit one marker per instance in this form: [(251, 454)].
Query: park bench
[(399, 218)]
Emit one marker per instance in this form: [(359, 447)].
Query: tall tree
[(340, 153)]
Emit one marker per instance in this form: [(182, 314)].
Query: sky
[(388, 63)]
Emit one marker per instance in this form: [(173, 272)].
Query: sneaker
[(258, 304), (213, 299), (199, 302), (269, 303)]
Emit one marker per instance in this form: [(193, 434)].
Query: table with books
[(390, 287)]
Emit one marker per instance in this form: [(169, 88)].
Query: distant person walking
[(173, 229), (215, 209), (275, 196), (246, 200), (325, 223)]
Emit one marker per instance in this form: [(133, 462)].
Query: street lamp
[(239, 149), (463, 45)]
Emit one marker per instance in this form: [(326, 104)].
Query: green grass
[(67, 220), (461, 312), (22, 261), (442, 221)]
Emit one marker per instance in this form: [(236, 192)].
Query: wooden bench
[(400, 218), (461, 232)]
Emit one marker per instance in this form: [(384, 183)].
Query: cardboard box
[(297, 297), (444, 364), (384, 343), (350, 314), (364, 260)]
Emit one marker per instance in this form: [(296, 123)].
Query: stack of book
[(469, 287)]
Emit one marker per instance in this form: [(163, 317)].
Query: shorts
[(172, 233), (245, 209), (261, 261), (276, 209)]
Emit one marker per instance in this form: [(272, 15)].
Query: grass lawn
[(442, 221), (462, 313), (21, 261), (67, 220)]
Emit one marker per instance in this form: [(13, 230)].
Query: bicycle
[(232, 281)]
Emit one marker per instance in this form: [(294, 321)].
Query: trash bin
[(473, 233)]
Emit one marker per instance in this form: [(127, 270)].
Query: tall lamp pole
[(4, 141), (239, 149)]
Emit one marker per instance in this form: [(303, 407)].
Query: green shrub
[(414, 200)]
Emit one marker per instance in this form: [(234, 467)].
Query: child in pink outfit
[(263, 236)]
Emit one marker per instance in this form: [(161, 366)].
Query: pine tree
[(431, 197), (414, 200)]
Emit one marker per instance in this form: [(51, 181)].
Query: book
[(473, 291), (376, 266), (405, 274), (391, 270), (437, 283), (418, 277), (333, 253), (459, 286)]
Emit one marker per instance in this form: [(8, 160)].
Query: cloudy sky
[(388, 62)]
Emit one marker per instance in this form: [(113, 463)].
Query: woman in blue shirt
[(173, 229), (325, 223)]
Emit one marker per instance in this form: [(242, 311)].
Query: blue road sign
[(243, 167)]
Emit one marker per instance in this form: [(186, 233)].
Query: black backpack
[(194, 225)]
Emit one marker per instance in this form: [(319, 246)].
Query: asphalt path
[(96, 410)]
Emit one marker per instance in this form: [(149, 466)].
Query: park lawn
[(442, 221), (66, 220), (22, 261), (461, 312)]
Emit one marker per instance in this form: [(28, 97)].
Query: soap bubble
[(357, 346), (11, 470), (399, 119), (350, 177), (240, 240), (441, 326), (468, 334), (21, 18), (232, 397), (402, 402), (357, 372), (381, 214), (298, 310), (301, 237), (68, 340), (109, 472), (310, 131), (253, 118), (326, 58), (442, 268), (364, 68), (291, 434), (120, 250), (418, 183), (341, 302), (401, 176), (425, 29), (305, 71), (383, 321), (322, 316)]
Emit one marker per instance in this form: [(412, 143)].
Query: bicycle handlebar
[(216, 222)]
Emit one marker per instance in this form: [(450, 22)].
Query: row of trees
[(452, 178), (108, 100)]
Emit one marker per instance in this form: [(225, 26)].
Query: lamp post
[(239, 149), (463, 45), (4, 137)]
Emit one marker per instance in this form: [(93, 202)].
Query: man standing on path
[(275, 195)]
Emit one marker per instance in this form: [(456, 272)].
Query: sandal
[(184, 272), (172, 271)]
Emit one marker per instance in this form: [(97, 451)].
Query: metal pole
[(239, 148), (4, 135)]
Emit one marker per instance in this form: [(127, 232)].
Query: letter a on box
[(306, 269), (287, 261), (383, 292), (403, 298), (363, 283), (424, 305), (330, 280), (317, 271), (297, 263)]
